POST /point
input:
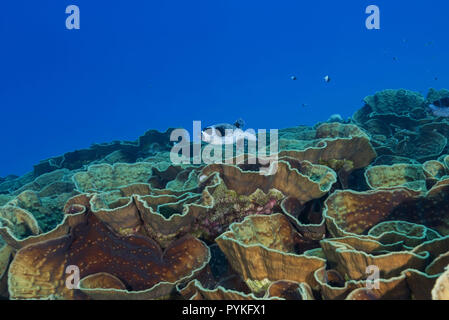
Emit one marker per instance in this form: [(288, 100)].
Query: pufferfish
[(225, 133)]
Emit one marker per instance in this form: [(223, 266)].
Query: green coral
[(395, 101), (337, 165)]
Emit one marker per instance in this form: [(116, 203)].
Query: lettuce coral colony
[(347, 198)]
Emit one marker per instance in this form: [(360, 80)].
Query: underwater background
[(354, 205), (155, 65)]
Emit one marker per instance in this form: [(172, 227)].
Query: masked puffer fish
[(225, 133)]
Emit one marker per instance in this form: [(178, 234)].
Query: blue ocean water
[(142, 65)]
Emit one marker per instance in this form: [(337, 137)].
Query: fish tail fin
[(239, 123)]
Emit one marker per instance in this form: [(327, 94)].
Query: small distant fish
[(439, 111), (395, 59), (429, 43), (305, 105), (327, 79), (293, 78)]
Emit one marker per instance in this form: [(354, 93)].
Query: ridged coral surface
[(355, 210)]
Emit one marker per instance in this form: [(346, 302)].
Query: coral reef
[(136, 263), (353, 209), (400, 123)]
